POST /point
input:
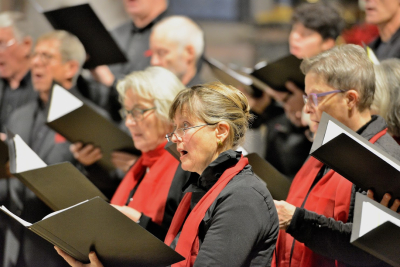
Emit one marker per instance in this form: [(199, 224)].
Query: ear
[(190, 53), (352, 97), (222, 131), (71, 69), (328, 44)]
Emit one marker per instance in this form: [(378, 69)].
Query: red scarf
[(188, 243), (151, 195), (330, 197)]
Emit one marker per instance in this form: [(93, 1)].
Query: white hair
[(16, 21), (154, 83), (182, 31)]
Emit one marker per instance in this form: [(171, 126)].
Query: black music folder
[(94, 225), (59, 186), (81, 21), (355, 158), (236, 78), (376, 229), (3, 158), (277, 183), (277, 73), (78, 122)]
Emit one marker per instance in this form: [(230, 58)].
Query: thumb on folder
[(94, 261)]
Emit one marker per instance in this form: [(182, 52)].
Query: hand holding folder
[(94, 225), (58, 186)]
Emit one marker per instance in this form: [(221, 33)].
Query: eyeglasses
[(312, 98), (136, 113), (179, 133), (5, 45), (44, 57)]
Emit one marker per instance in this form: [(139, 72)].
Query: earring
[(219, 142)]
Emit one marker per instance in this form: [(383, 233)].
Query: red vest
[(330, 197), (151, 195)]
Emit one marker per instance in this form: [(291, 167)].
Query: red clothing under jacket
[(330, 197), (151, 195)]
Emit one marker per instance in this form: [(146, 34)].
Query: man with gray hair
[(177, 44), (58, 57), (15, 81)]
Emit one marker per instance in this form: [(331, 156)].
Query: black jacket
[(241, 226), (390, 49)]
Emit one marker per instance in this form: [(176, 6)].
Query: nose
[(307, 108), (155, 60), (36, 59), (130, 121)]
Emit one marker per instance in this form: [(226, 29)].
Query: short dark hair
[(323, 18)]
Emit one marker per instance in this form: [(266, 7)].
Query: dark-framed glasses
[(312, 99), (180, 132), (5, 45), (136, 113)]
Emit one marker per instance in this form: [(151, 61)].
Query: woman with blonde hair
[(227, 216)]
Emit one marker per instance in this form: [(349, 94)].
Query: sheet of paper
[(372, 217), (333, 130), (21, 221), (62, 102), (59, 211), (26, 158)]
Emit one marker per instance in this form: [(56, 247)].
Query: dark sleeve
[(236, 226), (329, 238), (159, 231)]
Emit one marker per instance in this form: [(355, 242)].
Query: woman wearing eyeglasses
[(227, 216), (317, 214)]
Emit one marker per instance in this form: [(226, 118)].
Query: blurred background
[(237, 32)]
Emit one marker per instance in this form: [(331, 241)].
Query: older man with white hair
[(177, 44), (15, 48), (58, 56)]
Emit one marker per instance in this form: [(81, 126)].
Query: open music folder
[(83, 22), (376, 229), (78, 122), (355, 158), (272, 75), (94, 225), (58, 186)]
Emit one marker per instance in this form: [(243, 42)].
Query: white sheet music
[(372, 217), (26, 158), (21, 221), (62, 102)]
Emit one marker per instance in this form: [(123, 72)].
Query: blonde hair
[(345, 67), (213, 103), (390, 108), (154, 83)]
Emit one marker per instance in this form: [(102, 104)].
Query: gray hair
[(16, 21), (183, 31), (345, 67), (70, 47), (380, 105), (390, 110), (213, 103), (154, 83)]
